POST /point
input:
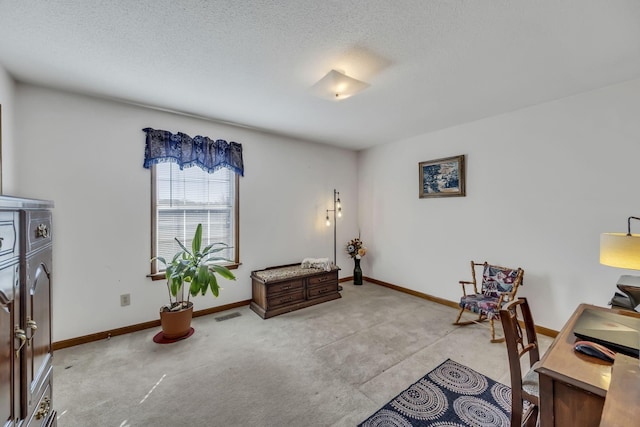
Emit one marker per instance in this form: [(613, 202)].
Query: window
[(182, 199)]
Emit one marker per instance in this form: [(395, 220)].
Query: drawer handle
[(1, 239), (42, 231), (284, 288), (22, 336), (321, 279), (287, 299), (43, 410)]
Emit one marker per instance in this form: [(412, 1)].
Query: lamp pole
[(628, 222), (335, 227), (337, 212)]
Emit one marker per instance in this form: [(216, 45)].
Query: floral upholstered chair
[(499, 286)]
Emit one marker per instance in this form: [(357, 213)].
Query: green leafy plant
[(195, 269)]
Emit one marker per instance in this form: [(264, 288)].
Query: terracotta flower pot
[(176, 324)]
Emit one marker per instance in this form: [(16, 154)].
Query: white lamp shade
[(620, 250), (337, 86)]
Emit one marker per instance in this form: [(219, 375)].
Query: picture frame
[(442, 177)]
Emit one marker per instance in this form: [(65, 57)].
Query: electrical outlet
[(125, 299)]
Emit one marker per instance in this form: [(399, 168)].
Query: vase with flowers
[(356, 250)]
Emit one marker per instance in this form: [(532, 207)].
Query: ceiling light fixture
[(336, 86)]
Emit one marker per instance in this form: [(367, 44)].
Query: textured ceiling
[(430, 64)]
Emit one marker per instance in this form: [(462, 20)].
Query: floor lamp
[(337, 211)]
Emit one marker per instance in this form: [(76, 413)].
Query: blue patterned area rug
[(450, 395)]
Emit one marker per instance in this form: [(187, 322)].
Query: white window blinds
[(186, 198)]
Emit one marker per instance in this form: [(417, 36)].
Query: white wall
[(86, 155), (7, 89), (542, 184)]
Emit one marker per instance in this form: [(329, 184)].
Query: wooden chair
[(499, 286), (525, 394)]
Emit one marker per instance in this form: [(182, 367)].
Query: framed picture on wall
[(442, 177)]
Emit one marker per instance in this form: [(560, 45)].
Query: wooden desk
[(573, 386), (622, 397)]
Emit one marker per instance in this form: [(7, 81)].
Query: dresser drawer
[(38, 229), (8, 235), (316, 280), (322, 290), (286, 298), (284, 287)]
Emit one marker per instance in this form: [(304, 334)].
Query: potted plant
[(196, 270)]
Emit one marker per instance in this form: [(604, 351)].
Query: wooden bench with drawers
[(278, 290)]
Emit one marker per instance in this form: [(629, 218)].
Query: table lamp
[(623, 251)]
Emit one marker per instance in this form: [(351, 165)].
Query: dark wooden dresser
[(278, 290), (25, 313)]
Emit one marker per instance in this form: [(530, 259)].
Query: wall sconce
[(337, 211), (336, 86), (621, 250)]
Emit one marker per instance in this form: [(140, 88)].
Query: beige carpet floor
[(332, 364)]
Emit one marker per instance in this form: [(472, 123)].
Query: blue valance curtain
[(164, 146)]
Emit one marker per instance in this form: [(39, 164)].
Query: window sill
[(161, 276)]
